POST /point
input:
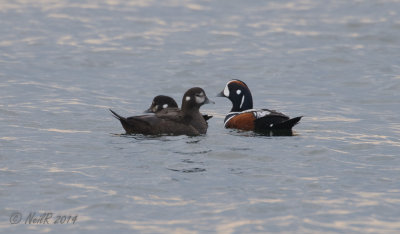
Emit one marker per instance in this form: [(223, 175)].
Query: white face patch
[(155, 108), (200, 99), (226, 91), (187, 98), (238, 92), (165, 106)]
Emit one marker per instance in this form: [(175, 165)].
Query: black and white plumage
[(243, 116)]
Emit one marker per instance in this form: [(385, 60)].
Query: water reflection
[(188, 170), (274, 133)]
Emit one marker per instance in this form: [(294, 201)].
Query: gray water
[(64, 63)]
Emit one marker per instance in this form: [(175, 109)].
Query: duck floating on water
[(161, 102), (242, 115), (171, 121)]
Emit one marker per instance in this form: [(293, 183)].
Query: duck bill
[(208, 101), (221, 94)]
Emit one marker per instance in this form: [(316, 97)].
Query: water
[(64, 63)]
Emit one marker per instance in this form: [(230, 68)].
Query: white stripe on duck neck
[(241, 103)]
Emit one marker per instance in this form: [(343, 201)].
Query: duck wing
[(288, 124), (174, 115), (191, 120), (167, 121), (270, 119), (156, 125)]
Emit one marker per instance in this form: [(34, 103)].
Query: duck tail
[(124, 122), (117, 116), (288, 124), (207, 117)]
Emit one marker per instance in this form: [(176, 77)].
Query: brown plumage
[(161, 102), (172, 121), (244, 121)]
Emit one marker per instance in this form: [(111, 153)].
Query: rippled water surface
[(64, 63)]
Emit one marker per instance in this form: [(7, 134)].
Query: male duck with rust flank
[(243, 116), (161, 102), (172, 121)]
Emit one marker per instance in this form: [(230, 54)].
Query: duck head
[(194, 98), (239, 94), (161, 102)]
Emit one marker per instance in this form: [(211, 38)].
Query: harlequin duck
[(161, 102), (243, 116), (173, 121)]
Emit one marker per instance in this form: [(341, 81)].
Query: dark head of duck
[(194, 98), (239, 94)]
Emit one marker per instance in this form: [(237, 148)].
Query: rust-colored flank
[(243, 121)]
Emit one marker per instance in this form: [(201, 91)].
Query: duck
[(242, 115), (161, 102), (171, 121)]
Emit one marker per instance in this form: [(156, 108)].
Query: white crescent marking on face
[(226, 91), (187, 98), (165, 106)]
